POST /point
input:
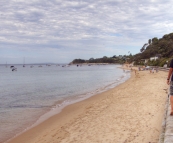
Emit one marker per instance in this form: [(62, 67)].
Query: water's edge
[(59, 105)]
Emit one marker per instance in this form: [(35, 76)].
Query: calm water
[(30, 95)]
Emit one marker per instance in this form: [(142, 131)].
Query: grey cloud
[(29, 17), (79, 24)]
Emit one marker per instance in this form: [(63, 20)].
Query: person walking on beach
[(135, 71), (153, 70), (170, 82)]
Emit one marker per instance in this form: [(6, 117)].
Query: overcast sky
[(59, 31)]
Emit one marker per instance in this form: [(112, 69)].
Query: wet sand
[(129, 113)]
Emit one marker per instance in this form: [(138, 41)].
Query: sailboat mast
[(24, 62)]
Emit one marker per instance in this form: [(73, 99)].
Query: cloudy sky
[(59, 31)]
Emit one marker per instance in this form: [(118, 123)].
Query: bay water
[(30, 95)]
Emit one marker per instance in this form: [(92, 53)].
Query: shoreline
[(54, 128), (60, 105), (68, 108)]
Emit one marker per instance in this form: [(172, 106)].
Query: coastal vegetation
[(161, 49), (115, 59)]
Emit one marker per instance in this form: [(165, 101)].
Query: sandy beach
[(129, 113)]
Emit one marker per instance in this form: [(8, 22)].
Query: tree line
[(162, 47), (153, 47), (114, 59)]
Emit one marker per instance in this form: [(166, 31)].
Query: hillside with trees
[(162, 47), (112, 60)]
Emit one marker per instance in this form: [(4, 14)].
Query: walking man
[(170, 82)]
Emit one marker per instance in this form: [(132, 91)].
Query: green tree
[(143, 48), (91, 59), (114, 56), (149, 41), (155, 40), (77, 61)]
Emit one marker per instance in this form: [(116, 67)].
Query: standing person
[(135, 71), (153, 70), (170, 82), (156, 70)]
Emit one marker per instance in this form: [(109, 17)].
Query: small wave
[(25, 106)]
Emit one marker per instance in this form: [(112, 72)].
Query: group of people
[(143, 68), (169, 82), (152, 70)]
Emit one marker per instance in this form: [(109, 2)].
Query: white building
[(155, 57), (145, 60)]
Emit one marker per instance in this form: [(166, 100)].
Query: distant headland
[(156, 52)]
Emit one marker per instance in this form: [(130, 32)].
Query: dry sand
[(130, 113)]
